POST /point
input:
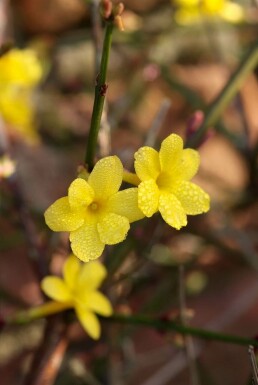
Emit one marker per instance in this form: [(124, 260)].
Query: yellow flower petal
[(212, 7), (60, 217), (91, 276), (170, 152), (97, 302), (85, 243), (188, 15), (19, 72), (232, 12), (106, 177), (172, 211), (80, 194), (113, 229), (193, 199), (148, 197), (89, 322), (186, 3), (17, 110), (125, 203), (146, 163), (187, 165), (71, 270), (21, 67), (56, 289)]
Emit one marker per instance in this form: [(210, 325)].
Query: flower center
[(95, 211), (93, 206), (164, 181)]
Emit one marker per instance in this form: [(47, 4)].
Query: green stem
[(100, 93), (185, 330), (53, 307), (216, 108)]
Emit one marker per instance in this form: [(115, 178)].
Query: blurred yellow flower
[(165, 185), (95, 212), (78, 290), (191, 11), (20, 71), (16, 109), (20, 67)]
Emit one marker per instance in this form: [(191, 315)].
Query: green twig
[(164, 325), (100, 93), (53, 307), (216, 108)]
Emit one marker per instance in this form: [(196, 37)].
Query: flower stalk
[(231, 88), (164, 325), (99, 99), (53, 307)]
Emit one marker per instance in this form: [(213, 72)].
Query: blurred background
[(172, 60)]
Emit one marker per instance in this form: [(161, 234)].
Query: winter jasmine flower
[(95, 212), (79, 290), (165, 182)]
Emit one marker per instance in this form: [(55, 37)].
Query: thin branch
[(157, 123), (100, 93), (96, 32), (184, 330), (189, 345), (53, 307), (36, 250), (48, 359), (216, 108), (254, 364), (104, 132)]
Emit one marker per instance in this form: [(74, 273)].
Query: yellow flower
[(17, 110), (95, 212), (20, 71), (78, 290), (20, 67), (165, 185), (190, 11)]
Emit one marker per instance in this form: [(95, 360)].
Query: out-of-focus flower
[(95, 212), (17, 111), (20, 67), (7, 167), (165, 185), (192, 11), (20, 72), (79, 290)]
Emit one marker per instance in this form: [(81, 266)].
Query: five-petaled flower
[(78, 290), (165, 185), (95, 212)]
